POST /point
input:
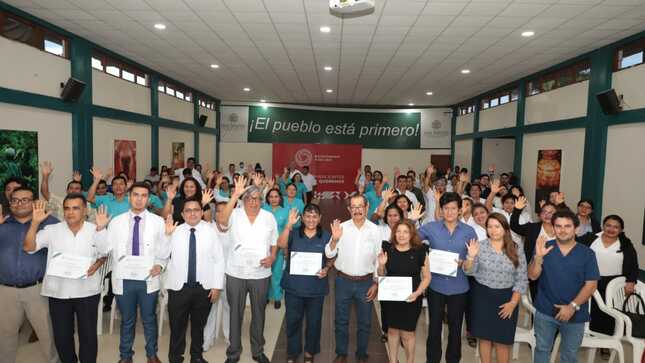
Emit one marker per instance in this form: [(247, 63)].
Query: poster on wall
[(178, 155), (334, 166), (125, 158), (19, 156), (549, 165)]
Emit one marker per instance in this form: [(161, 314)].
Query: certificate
[(305, 263), (248, 257), (68, 266), (135, 267), (444, 262), (394, 288)]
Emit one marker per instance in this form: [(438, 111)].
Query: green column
[(218, 117), (196, 123), (154, 113), (453, 131), (476, 161), (81, 69), (519, 134)]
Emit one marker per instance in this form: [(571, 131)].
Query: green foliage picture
[(19, 156)]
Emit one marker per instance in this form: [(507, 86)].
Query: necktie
[(135, 236), (192, 258)]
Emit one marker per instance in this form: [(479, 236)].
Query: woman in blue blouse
[(274, 205), (500, 278), (293, 201), (304, 294), (301, 189)]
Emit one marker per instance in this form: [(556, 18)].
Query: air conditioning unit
[(346, 7)]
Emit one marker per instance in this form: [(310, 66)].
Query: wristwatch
[(575, 306)]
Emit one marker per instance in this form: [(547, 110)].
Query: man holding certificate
[(355, 244), (449, 286), (71, 284), (139, 244)]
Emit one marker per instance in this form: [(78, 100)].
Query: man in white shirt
[(190, 164), (254, 235), (140, 236), (194, 279), (74, 297), (355, 244), (310, 183), (402, 188)]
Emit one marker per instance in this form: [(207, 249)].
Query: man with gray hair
[(253, 236)]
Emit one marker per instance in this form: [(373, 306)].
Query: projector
[(345, 7)]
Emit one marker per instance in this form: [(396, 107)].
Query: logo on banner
[(303, 157)]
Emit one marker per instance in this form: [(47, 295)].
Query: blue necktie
[(192, 259), (135, 236)]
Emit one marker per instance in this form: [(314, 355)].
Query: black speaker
[(609, 102), (72, 90), (202, 120)]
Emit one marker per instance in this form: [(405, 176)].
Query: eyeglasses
[(16, 201), (251, 199), (192, 210), (356, 207)]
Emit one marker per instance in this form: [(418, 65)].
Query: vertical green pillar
[(218, 117), (81, 69), (519, 134), (196, 97), (453, 132), (593, 167), (476, 161), (154, 113)]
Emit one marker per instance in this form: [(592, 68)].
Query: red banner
[(334, 166)]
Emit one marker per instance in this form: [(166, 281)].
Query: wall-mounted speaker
[(72, 90), (202, 120), (609, 102)]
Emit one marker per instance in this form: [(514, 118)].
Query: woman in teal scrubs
[(300, 186), (274, 205), (293, 201)]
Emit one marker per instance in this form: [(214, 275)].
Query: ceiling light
[(465, 71), (329, 90), (263, 101), (325, 29), (215, 66), (429, 93), (328, 68), (246, 89), (528, 33), (410, 104), (160, 26)]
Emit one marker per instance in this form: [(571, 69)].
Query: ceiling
[(390, 57)]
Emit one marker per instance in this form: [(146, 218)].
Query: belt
[(22, 286), (354, 278)]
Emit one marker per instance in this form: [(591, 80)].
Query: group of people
[(211, 239)]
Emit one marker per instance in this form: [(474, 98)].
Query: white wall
[(210, 121), (571, 142), (629, 82), (465, 124), (498, 152), (172, 108), (110, 91), (107, 130), (624, 175), (498, 117), (29, 69), (167, 136), (386, 160), (464, 153), (252, 152), (47, 123), (559, 104), (207, 150)]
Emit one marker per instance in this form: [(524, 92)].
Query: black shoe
[(261, 359), (277, 304), (107, 308), (472, 341)]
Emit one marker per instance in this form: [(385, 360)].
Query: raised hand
[(258, 179), (397, 172), (271, 182), (293, 217), (96, 173), (171, 191), (430, 170), (387, 194), (541, 249), (437, 196), (464, 177), (129, 184), (207, 196), (102, 217), (170, 225), (46, 168), (415, 214), (210, 174), (219, 180), (520, 203), (240, 186), (359, 172), (336, 230), (495, 187), (541, 203), (76, 176), (38, 215), (109, 173), (361, 188), (382, 258), (473, 248)]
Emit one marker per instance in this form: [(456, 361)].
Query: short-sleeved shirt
[(563, 277), (440, 238), (306, 286), (373, 201), (250, 242), (296, 203)]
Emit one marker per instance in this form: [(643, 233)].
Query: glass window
[(161, 88), (494, 102), (631, 60), (96, 63), (113, 70), (179, 94), (54, 46), (170, 91), (127, 76), (142, 80), (504, 99)]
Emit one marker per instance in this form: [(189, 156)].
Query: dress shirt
[(16, 266), (210, 257), (309, 181), (610, 259), (357, 249), (385, 232), (479, 230), (58, 238), (258, 237), (440, 238), (196, 175), (496, 270)]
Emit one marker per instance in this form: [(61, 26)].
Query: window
[(168, 88), (630, 55), (575, 73), (499, 98), (119, 69), (21, 30), (466, 109)]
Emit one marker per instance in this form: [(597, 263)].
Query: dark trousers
[(63, 314), (456, 307), (189, 302), (297, 309)]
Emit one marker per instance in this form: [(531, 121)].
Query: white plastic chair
[(163, 303), (615, 296), (105, 286), (525, 335), (593, 340)]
